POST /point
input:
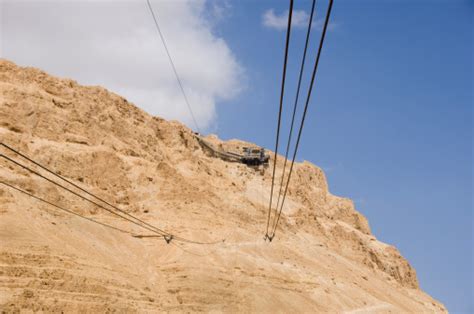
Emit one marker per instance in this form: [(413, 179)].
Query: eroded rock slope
[(323, 259)]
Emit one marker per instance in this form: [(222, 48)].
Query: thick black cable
[(172, 64), (157, 230), (326, 22), (77, 194), (64, 209), (83, 190), (296, 100), (288, 32), (179, 239)]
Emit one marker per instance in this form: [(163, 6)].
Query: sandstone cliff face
[(323, 258)]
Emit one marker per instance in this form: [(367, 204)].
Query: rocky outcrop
[(324, 257)]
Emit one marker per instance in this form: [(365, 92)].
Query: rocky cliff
[(324, 257)]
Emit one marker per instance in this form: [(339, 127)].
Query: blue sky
[(390, 120)]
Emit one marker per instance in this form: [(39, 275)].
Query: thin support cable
[(156, 230), (172, 65), (326, 22), (296, 100), (77, 194), (78, 187), (288, 32), (63, 209)]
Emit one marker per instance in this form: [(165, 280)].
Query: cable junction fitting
[(168, 238)]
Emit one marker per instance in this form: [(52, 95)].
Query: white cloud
[(116, 45), (280, 22), (219, 10), (299, 19)]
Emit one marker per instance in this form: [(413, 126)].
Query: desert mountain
[(323, 259)]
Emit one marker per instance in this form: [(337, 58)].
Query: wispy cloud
[(220, 9), (299, 20), (279, 22)]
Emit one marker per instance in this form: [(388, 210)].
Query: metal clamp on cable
[(270, 238), (168, 238)]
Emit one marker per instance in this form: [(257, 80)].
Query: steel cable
[(296, 100), (288, 32), (326, 22), (78, 187), (77, 194), (64, 209), (172, 65), (144, 225)]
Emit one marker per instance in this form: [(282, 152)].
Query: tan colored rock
[(324, 257)]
